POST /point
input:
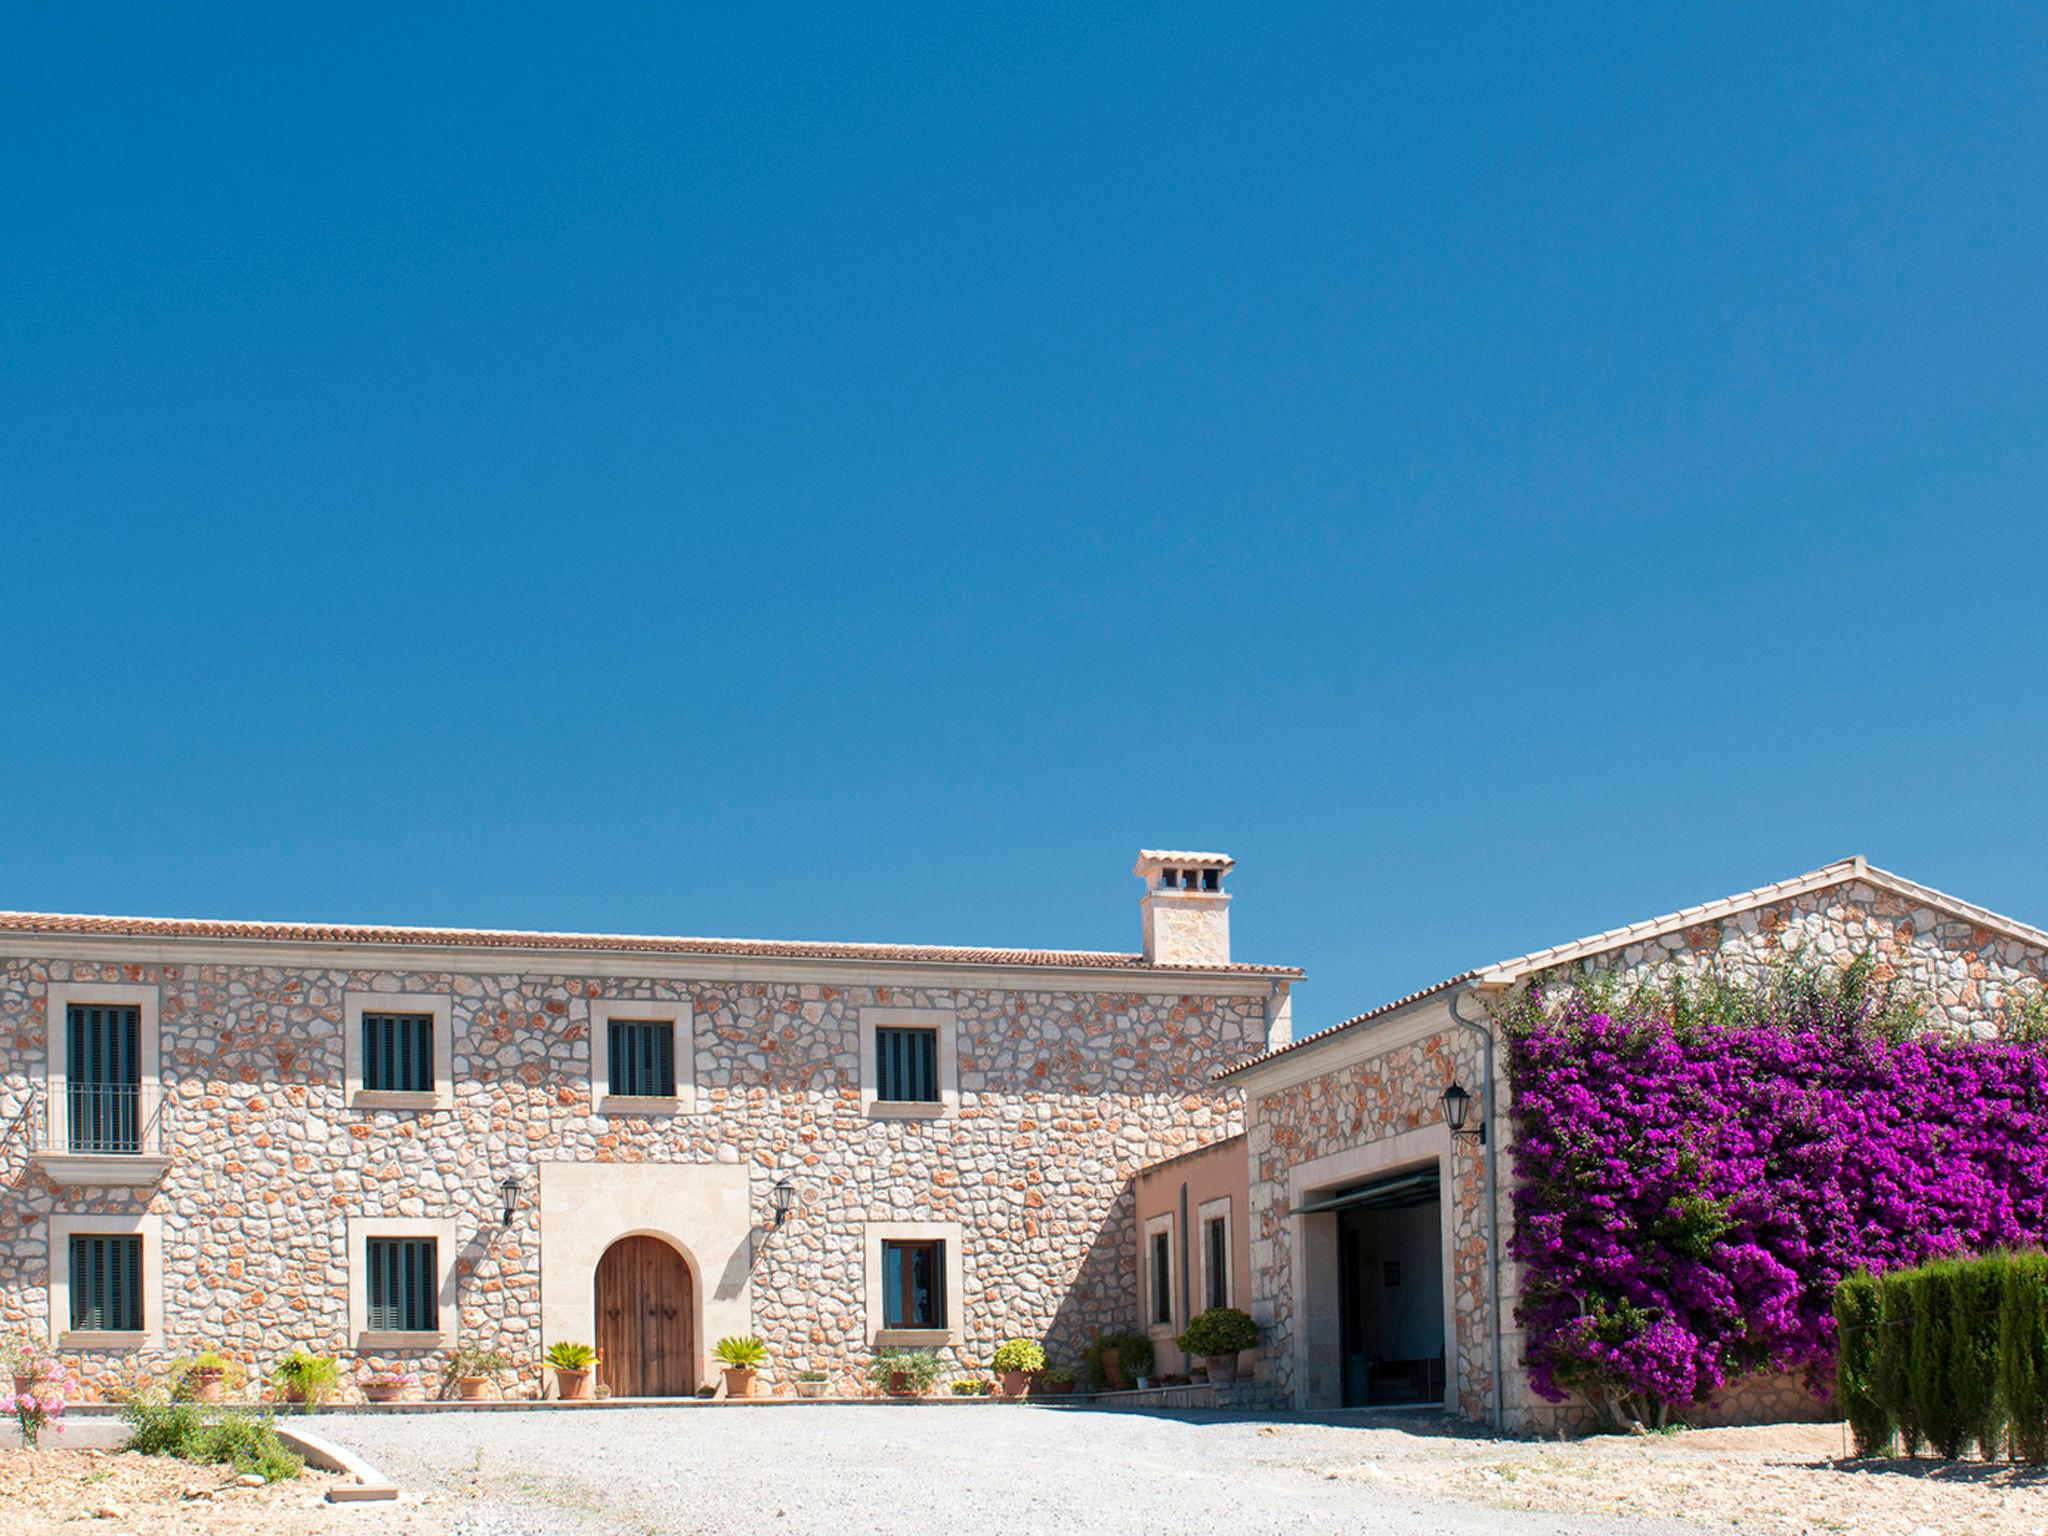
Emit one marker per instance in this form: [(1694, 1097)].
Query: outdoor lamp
[(509, 1188), (784, 1195), (1457, 1102)]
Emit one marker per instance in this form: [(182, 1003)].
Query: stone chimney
[(1187, 911)]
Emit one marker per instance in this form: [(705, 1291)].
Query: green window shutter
[(106, 1282), (103, 1072), (403, 1284), (643, 1058), (398, 1053), (907, 1066)]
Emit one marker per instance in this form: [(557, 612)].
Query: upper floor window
[(907, 1066), (913, 1284), (103, 1078), (404, 1283), (643, 1058), (398, 1053), (106, 1282)]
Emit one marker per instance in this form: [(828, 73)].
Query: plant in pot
[(742, 1356), (1218, 1335), (474, 1369), (1055, 1380), (386, 1386), (19, 1358), (972, 1386), (572, 1365), (1115, 1358), (206, 1377), (811, 1383), (904, 1372), (304, 1379), (1015, 1361)]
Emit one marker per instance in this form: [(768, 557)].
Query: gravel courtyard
[(885, 1469)]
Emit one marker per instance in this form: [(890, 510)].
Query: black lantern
[(784, 1196), (1457, 1104), (509, 1188)]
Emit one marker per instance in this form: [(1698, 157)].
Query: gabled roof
[(514, 939), (1506, 973)]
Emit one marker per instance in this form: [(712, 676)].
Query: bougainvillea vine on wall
[(1697, 1169)]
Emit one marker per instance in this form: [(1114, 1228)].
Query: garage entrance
[(1390, 1288)]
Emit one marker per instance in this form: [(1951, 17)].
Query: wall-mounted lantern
[(1457, 1104), (784, 1198), (509, 1188)]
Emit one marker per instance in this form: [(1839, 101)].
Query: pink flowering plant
[(50, 1388), (1699, 1166)]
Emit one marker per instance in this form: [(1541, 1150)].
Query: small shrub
[(161, 1429), (1892, 1381), (570, 1357), (743, 1352), (1133, 1353), (972, 1386), (1973, 1358), (812, 1376), (42, 1406), (188, 1372), (1859, 1325), (473, 1360), (921, 1365), (1219, 1331), (308, 1375), (1063, 1376), (1019, 1355), (2023, 1355), (1929, 1357), (246, 1442)]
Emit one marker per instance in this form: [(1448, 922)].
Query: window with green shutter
[(643, 1058), (907, 1066), (106, 1283), (103, 1078), (404, 1285), (398, 1052)]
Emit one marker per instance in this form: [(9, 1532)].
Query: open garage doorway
[(1389, 1272)]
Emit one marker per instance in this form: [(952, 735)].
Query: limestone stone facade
[(1361, 1101), (1073, 1071)]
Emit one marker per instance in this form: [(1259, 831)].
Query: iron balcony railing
[(102, 1120)]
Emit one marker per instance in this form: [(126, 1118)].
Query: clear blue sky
[(856, 472)]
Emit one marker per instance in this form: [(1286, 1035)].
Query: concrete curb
[(370, 1484)]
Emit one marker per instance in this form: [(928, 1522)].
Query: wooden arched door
[(646, 1324)]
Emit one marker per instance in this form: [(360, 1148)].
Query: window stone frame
[(953, 1235), (361, 1337), (440, 1006), (680, 1014), (65, 1225), (945, 1022)]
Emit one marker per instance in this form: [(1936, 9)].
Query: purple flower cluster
[(1690, 1189)]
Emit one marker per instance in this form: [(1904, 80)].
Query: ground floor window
[(913, 1284), (404, 1283), (1216, 1240), (106, 1283), (1162, 1279)]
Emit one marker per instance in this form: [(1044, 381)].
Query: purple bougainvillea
[(1696, 1172)]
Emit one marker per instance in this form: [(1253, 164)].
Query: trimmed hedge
[(1950, 1354)]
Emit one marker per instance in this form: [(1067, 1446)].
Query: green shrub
[(161, 1429), (308, 1375), (2023, 1356), (1019, 1355), (570, 1357), (920, 1365), (1219, 1331), (473, 1361), (1891, 1379), (1058, 1376), (1859, 1325), (742, 1352), (1973, 1358), (1133, 1353), (245, 1442), (972, 1386), (1930, 1358)]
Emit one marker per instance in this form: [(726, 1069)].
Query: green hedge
[(1950, 1355)]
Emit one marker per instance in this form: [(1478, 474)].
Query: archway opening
[(646, 1319)]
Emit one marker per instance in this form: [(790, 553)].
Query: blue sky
[(837, 472)]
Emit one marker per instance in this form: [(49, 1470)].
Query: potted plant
[(386, 1386), (1015, 1361), (19, 1357), (205, 1377), (304, 1378), (572, 1364), (41, 1402), (1056, 1380), (1115, 1358), (811, 1383), (474, 1369), (1218, 1335), (904, 1372), (972, 1386), (742, 1356)]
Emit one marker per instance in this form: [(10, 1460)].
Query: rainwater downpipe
[(1486, 1099)]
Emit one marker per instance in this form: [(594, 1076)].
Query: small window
[(1162, 1280), (1212, 879), (398, 1052), (907, 1066), (1168, 879), (106, 1283), (643, 1058), (913, 1284), (404, 1284), (1216, 1234)]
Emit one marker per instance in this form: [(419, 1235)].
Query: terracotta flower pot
[(811, 1388), (1046, 1388), (205, 1386), (1113, 1370), (739, 1381), (23, 1385), (1222, 1369), (903, 1384), (472, 1389), (384, 1391), (1016, 1383), (575, 1385)]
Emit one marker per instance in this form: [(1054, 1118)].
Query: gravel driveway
[(829, 1468)]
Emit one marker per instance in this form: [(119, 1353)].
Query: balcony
[(101, 1134)]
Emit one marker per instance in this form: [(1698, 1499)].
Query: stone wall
[(1381, 1085), (1063, 1096)]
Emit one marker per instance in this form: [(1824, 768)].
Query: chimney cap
[(1152, 860)]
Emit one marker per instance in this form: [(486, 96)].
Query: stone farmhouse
[(1378, 1231), (385, 1142)]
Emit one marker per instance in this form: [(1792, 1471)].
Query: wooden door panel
[(645, 1323)]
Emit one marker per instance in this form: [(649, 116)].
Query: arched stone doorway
[(646, 1319)]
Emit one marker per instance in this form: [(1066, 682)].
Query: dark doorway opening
[(1390, 1286)]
